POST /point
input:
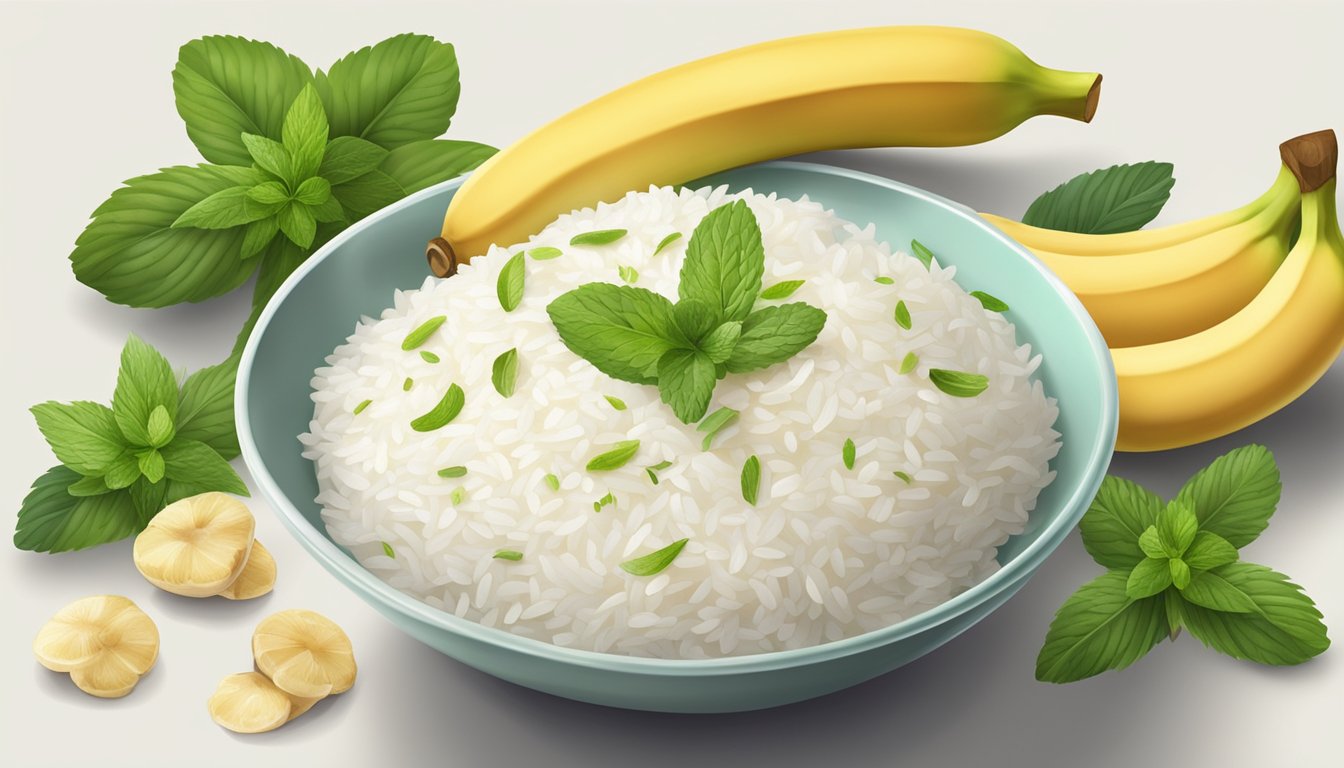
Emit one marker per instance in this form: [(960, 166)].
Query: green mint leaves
[(1175, 565), (119, 466), (635, 335), (1121, 198)]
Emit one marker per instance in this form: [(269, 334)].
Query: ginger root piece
[(304, 653), (105, 642), (249, 703), (197, 546), (298, 705), (257, 578)]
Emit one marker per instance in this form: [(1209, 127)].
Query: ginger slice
[(105, 642), (304, 653), (249, 703), (257, 578), (197, 546), (298, 705)]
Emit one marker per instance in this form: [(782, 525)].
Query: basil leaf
[(444, 412), (226, 208), (724, 262), (368, 193), (271, 157), (622, 331), (422, 164), (194, 462), (258, 235), (401, 90), (1119, 515), (695, 318), (720, 342), (349, 157), (509, 284), (52, 520), (782, 290), (313, 192), (228, 86), (205, 408), (619, 455), (1283, 628), (504, 372), (751, 479), (1148, 578), (304, 133), (1235, 495), (131, 254), (654, 562), (1215, 593), (1121, 198), (145, 382), (1209, 550), (958, 383), (686, 381), (83, 435), (297, 222), (774, 334), (1099, 628)]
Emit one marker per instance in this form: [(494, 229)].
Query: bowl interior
[(356, 274)]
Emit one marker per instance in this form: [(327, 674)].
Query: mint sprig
[(1176, 565), (636, 335)]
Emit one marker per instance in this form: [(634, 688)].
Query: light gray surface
[(85, 101)]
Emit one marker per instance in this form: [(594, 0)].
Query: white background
[(86, 101)]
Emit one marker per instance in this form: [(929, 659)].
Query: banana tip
[(1312, 158), (442, 260), (1093, 96)]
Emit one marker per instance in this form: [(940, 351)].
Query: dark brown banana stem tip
[(442, 260), (1093, 96), (1312, 158)]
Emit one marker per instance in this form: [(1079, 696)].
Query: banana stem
[(1312, 158), (1067, 94)]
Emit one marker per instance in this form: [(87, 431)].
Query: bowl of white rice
[(835, 514)]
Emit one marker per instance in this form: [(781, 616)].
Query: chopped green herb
[(782, 290), (504, 372), (751, 479), (508, 554), (598, 237), (407, 384), (666, 241), (989, 302), (847, 453), (653, 471), (714, 423), (459, 495), (615, 458), (958, 383), (884, 280), (452, 472), (545, 253), (509, 285), (387, 550), (654, 562), (422, 333), (553, 482), (444, 412), (604, 501), (660, 466), (629, 274), (428, 357), (360, 408), (616, 402), (922, 253), (909, 362), (903, 476), (902, 315)]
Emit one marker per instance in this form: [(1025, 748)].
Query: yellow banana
[(882, 86), (1229, 376), (1161, 284)]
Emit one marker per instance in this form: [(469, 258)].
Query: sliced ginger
[(257, 578), (105, 642), (196, 547), (250, 703), (304, 653)]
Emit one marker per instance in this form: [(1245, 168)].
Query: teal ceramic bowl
[(356, 273)]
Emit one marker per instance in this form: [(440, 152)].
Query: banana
[(1167, 283), (881, 86), (1241, 370)]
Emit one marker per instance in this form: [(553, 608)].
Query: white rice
[(826, 553)]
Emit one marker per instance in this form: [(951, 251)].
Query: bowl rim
[(1015, 571)]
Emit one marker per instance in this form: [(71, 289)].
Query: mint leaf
[(1119, 514), (151, 465), (666, 241), (83, 435), (297, 222), (123, 471), (958, 383), (88, 486), (782, 290), (442, 414), (1148, 578), (1176, 528), (269, 193), (1099, 628), (304, 133), (131, 254), (686, 381), (622, 331), (349, 157), (258, 235), (724, 262), (922, 253), (1235, 495), (228, 86), (401, 90), (1121, 198), (695, 318), (422, 164), (719, 343), (205, 408), (271, 157), (226, 208), (1209, 550), (654, 562), (327, 212), (1215, 593), (509, 284), (751, 479), (52, 520), (159, 427), (1180, 572), (313, 192), (504, 372), (195, 463), (774, 334), (367, 193), (1150, 541), (615, 458), (1283, 628), (422, 333), (145, 382)]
